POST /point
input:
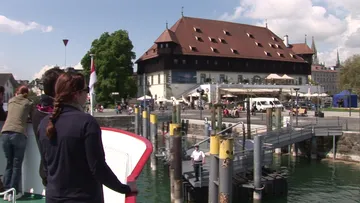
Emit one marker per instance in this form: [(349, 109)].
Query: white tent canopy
[(286, 77), (142, 98), (273, 76)]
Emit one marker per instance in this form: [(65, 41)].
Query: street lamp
[(297, 104), (201, 93), (350, 102)]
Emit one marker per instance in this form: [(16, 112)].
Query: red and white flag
[(92, 76)]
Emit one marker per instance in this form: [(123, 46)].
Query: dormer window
[(198, 38), (226, 32), (192, 48), (214, 50), (258, 44), (250, 35), (267, 53), (212, 39), (270, 45), (196, 29), (292, 55), (278, 46), (222, 40), (279, 54), (234, 51), (273, 38)]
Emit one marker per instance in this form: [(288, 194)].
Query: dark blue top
[(74, 160)]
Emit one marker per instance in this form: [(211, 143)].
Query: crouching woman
[(14, 139)]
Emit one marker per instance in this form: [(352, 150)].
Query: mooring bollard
[(153, 137), (226, 155), (172, 128), (137, 121), (257, 168), (214, 168), (177, 162), (144, 124)]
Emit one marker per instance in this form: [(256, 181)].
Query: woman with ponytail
[(71, 148), (14, 139)]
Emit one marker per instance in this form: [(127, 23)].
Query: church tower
[(315, 57)]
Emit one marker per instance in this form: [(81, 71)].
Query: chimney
[(286, 40)]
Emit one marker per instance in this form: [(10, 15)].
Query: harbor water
[(309, 181)]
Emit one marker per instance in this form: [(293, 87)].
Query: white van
[(275, 102), (261, 103)]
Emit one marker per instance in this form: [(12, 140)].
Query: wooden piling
[(153, 136), (177, 162), (219, 117), (213, 118), (248, 119), (226, 156), (137, 121), (172, 128), (145, 124), (214, 168)]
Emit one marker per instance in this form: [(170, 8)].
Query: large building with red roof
[(195, 51)]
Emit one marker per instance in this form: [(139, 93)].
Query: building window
[(196, 62), (222, 78), (176, 61), (151, 80), (167, 45), (215, 62), (183, 61), (257, 79), (161, 45), (240, 78), (159, 81), (183, 77), (300, 80), (202, 77), (207, 61)]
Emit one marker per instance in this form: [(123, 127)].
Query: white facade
[(160, 83), (9, 91)]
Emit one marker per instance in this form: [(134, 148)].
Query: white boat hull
[(126, 154)]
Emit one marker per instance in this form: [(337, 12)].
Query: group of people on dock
[(72, 166)]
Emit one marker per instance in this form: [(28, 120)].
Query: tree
[(114, 66), (350, 74)]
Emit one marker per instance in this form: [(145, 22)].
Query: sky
[(31, 32)]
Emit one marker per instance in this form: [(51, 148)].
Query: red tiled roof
[(301, 48), (167, 36), (205, 37), (319, 68)]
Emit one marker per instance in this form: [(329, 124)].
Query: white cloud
[(17, 27), (47, 67), (335, 24)]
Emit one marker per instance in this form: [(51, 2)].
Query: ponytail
[(51, 130)]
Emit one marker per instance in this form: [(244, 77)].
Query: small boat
[(126, 153)]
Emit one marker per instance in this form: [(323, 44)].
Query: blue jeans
[(14, 145)]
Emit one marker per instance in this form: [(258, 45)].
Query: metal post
[(178, 114), (148, 123), (214, 168), (297, 108), (226, 156), (177, 162), (269, 119), (248, 118), (137, 121), (244, 136), (334, 147), (145, 124), (172, 128), (213, 118), (173, 115), (257, 168), (153, 136), (219, 118), (350, 102)]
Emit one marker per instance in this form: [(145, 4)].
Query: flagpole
[(92, 89)]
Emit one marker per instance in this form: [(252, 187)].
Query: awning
[(273, 76), (249, 91), (142, 98)]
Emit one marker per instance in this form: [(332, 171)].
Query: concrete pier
[(257, 195), (226, 156)]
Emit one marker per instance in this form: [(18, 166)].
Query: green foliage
[(350, 74), (114, 66)]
